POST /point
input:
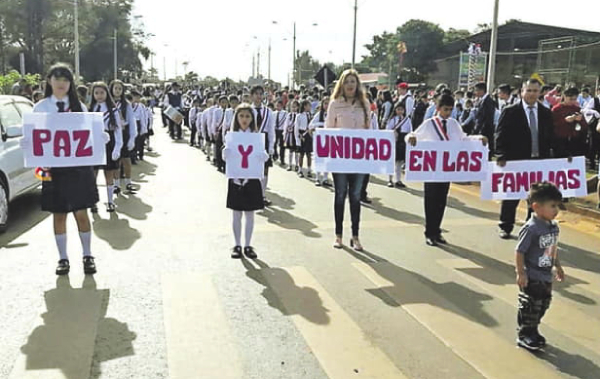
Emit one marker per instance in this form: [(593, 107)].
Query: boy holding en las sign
[(244, 196), (439, 128)]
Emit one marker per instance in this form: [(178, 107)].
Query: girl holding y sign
[(244, 196)]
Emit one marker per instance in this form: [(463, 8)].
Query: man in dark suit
[(484, 116), (525, 132)]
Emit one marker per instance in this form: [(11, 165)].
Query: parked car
[(15, 178)]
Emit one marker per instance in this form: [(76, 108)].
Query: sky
[(220, 37)]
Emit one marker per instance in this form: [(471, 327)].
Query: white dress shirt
[(428, 131), (398, 125), (268, 125), (118, 129)]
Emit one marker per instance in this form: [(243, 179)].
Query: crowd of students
[(515, 125)]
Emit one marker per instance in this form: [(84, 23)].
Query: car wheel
[(3, 207)]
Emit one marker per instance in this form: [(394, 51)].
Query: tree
[(456, 35), (423, 40), (306, 67)]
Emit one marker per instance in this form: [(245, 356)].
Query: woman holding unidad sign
[(68, 189), (348, 109), (439, 128), (244, 196)]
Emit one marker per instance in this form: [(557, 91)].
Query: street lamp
[(294, 52)]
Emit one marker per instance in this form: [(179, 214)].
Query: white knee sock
[(249, 226), (290, 159), (264, 181), (398, 170), (86, 243), (110, 189), (297, 159), (237, 227), (117, 182), (61, 243)]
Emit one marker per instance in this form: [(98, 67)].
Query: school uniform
[(176, 100), (436, 194), (243, 194), (318, 122), (218, 122), (302, 130), (266, 125), (291, 139), (139, 111), (228, 124), (115, 132), (280, 120), (401, 127), (200, 129), (71, 188), (129, 128), (409, 103), (193, 115)]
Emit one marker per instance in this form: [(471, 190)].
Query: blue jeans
[(347, 184)]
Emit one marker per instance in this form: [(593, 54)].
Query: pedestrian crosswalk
[(200, 342)]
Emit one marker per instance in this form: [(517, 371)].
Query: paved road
[(168, 302)]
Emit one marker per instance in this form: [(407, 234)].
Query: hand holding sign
[(64, 139), (245, 155)]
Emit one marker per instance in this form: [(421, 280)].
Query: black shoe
[(236, 252), (540, 338), (399, 184), (366, 200), (110, 207), (289, 168), (94, 209), (267, 202), (63, 267), (529, 343), (440, 239), (430, 241), (391, 184), (249, 252), (117, 191), (504, 234), (309, 175), (89, 267), (300, 174), (326, 183), (318, 183)]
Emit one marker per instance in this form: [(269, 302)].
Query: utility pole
[(76, 28), (493, 44), (253, 65), (354, 39), (269, 69), (294, 58), (115, 54), (258, 63)]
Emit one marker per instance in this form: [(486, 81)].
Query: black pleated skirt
[(245, 198), (71, 189)]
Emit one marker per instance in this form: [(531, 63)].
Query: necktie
[(98, 108), (533, 127), (278, 114), (61, 106), (259, 117), (445, 127)]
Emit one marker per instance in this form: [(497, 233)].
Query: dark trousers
[(219, 157), (174, 129), (140, 141), (365, 184), (508, 214), (279, 147), (594, 147), (436, 196), (347, 184), (193, 135), (534, 301)]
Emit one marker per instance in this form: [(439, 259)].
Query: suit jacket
[(513, 136), (484, 119)]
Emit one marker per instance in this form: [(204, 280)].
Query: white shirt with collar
[(268, 125), (410, 103), (227, 151), (118, 129), (218, 121), (48, 105), (428, 131), (280, 118), (525, 107), (399, 125)]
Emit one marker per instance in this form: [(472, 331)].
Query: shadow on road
[(466, 302), (395, 214), (571, 364), (577, 257), (301, 301), (25, 213), (115, 231), (76, 331), (133, 206), (496, 272), (142, 170), (286, 219)]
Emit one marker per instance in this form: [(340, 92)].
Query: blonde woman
[(348, 109)]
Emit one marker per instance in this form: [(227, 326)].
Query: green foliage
[(13, 76), (456, 35), (44, 31)]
